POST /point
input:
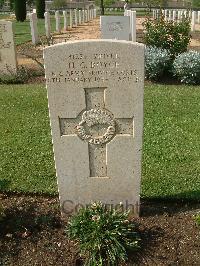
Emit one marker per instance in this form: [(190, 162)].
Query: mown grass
[(171, 161), (26, 159), (171, 151)]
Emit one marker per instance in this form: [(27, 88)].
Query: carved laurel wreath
[(96, 117)]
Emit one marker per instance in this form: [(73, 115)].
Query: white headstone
[(34, 29), (179, 15), (8, 62), (58, 26), (65, 19), (95, 96), (198, 17), (115, 27), (70, 19), (83, 15), (165, 14), (47, 24), (133, 25), (79, 16), (86, 15), (75, 18), (170, 15), (193, 22), (174, 15)]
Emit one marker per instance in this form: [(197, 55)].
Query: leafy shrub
[(157, 61), (104, 235), (20, 10), (186, 67), (19, 78), (169, 35)]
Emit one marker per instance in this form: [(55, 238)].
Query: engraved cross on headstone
[(97, 126)]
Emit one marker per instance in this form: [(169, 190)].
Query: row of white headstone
[(178, 15), (76, 17)]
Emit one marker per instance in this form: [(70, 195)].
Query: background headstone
[(115, 27), (70, 19), (58, 26), (34, 29), (133, 25), (47, 24), (75, 18), (79, 17), (65, 19), (8, 62), (95, 95)]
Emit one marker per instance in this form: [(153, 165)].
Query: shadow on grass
[(185, 201), (4, 185)]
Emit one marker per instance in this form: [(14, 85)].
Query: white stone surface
[(198, 17), (165, 14), (70, 19), (95, 95), (79, 17), (34, 29), (75, 18), (83, 16), (174, 15), (193, 21), (8, 62), (57, 16), (133, 25), (115, 27), (65, 20), (86, 15), (47, 24)]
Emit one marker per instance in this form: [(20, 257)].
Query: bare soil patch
[(33, 233)]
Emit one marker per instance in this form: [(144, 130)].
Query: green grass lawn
[(171, 152)]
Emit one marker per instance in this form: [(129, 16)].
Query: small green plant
[(186, 67), (104, 235), (197, 219), (157, 61), (169, 35)]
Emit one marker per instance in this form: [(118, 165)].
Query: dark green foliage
[(40, 8), (20, 10), (104, 235), (172, 36)]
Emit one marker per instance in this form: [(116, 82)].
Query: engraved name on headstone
[(95, 95)]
